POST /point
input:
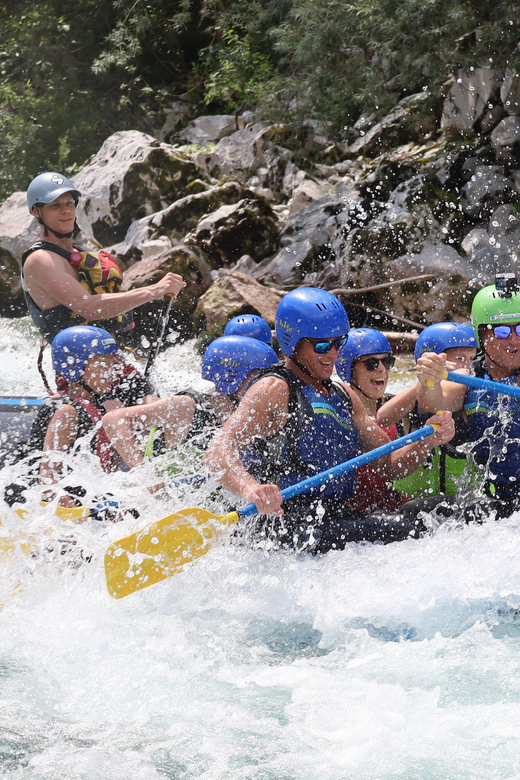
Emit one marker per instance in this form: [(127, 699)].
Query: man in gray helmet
[(65, 286)]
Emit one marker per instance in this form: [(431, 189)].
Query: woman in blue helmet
[(445, 465), (230, 362), (294, 421), (364, 363), (86, 356)]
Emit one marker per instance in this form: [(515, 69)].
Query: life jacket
[(98, 272), (373, 491), (89, 419), (443, 467), (494, 422), (319, 434)]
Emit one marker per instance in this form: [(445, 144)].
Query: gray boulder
[(207, 129), (305, 240), (177, 115), (234, 293), (406, 122), (510, 92), (505, 139), (476, 239), (487, 188), (133, 175), (172, 223), (18, 230), (187, 261), (503, 221), (247, 227), (301, 188), (243, 153), (236, 155), (469, 97), (444, 298)]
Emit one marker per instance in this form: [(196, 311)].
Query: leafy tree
[(73, 72)]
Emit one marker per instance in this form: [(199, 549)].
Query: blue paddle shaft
[(484, 384), (349, 465), (6, 401)]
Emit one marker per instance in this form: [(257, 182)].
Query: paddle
[(479, 384), (163, 548), (7, 400), (159, 333), (484, 384)]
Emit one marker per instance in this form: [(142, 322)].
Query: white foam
[(375, 662)]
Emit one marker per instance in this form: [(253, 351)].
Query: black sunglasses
[(504, 331), (372, 363), (322, 346)]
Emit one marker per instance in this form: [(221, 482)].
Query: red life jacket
[(89, 418), (373, 492)]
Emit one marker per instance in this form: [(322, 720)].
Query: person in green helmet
[(494, 420)]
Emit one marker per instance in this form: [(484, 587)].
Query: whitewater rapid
[(398, 661)]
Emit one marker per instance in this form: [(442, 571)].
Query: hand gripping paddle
[(163, 548), (480, 384)]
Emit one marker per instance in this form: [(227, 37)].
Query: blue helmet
[(251, 325), (229, 359), (311, 313), (444, 335), (361, 341), (72, 347)]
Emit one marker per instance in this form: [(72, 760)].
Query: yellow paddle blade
[(162, 549), (12, 543), (9, 542), (61, 512)]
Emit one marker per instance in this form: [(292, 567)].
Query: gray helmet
[(47, 187)]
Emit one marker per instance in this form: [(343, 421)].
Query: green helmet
[(491, 307)]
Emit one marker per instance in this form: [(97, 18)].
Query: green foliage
[(53, 112), (342, 59), (237, 74), (71, 73)]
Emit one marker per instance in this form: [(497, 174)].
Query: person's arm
[(50, 282), (125, 427), (435, 393), (406, 460), (61, 434), (262, 412), (397, 407)]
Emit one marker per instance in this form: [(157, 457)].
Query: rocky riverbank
[(404, 222)]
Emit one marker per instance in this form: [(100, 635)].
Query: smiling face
[(59, 215), (371, 383), (502, 354), (319, 366)]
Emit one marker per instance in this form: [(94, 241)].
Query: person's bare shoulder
[(268, 390), (43, 261)]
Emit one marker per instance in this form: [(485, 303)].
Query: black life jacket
[(286, 441)]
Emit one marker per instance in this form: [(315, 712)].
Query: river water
[(398, 661)]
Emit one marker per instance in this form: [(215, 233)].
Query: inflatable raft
[(16, 417)]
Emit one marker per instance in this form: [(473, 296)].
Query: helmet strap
[(325, 384), (61, 236), (97, 399), (353, 384)]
